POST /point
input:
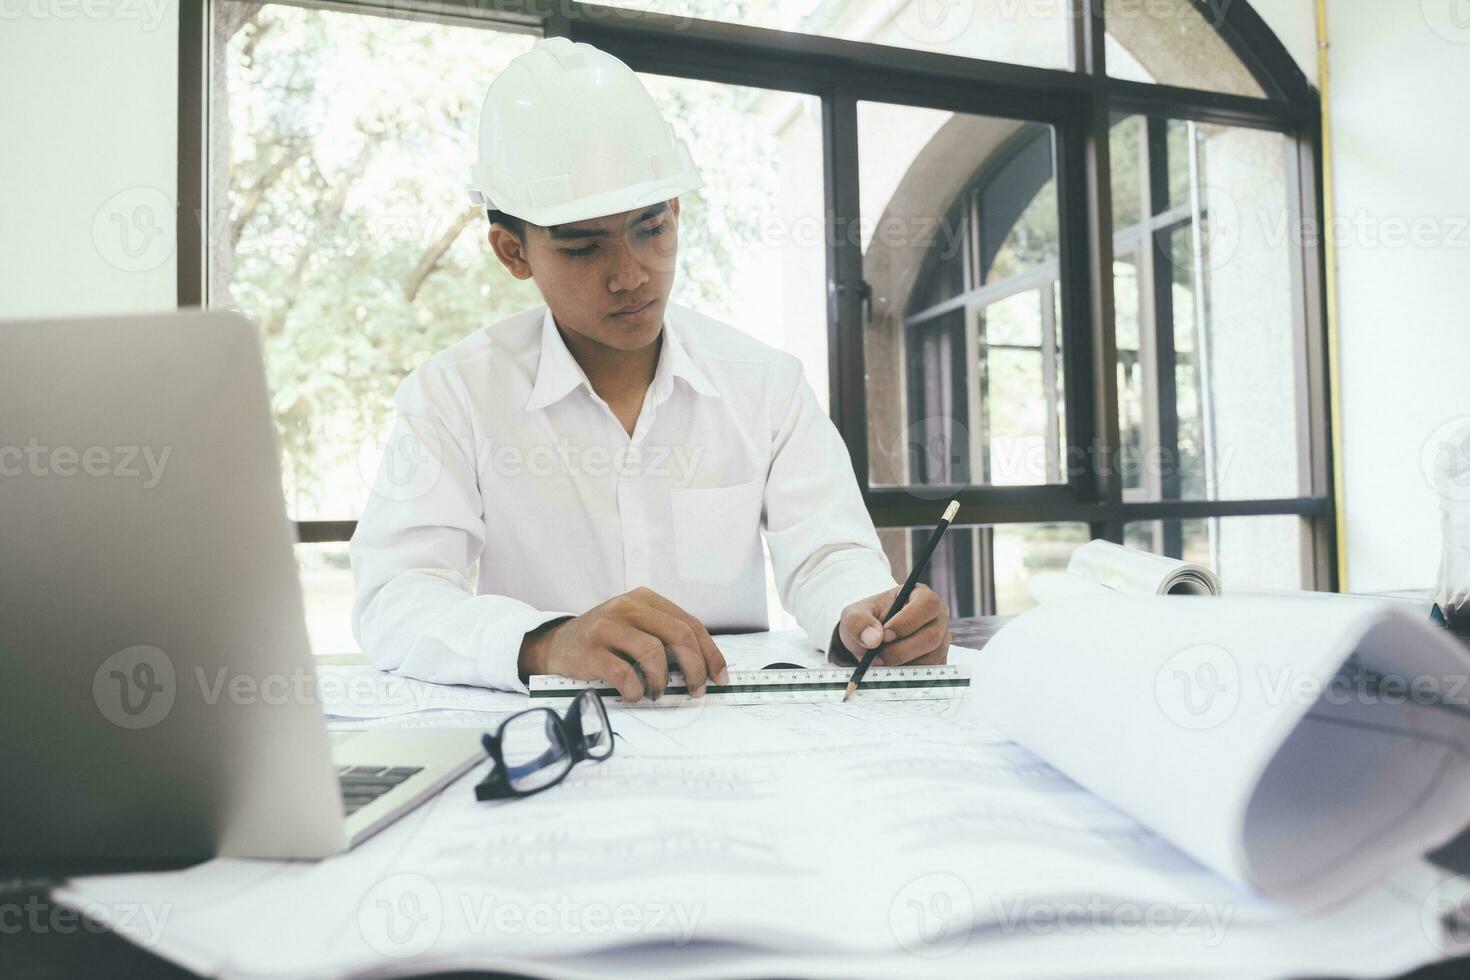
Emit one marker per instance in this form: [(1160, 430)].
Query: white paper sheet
[(368, 692), (752, 651), (718, 866), (1213, 721), (432, 718), (809, 839), (756, 844)]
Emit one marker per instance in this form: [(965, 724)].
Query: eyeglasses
[(535, 749)]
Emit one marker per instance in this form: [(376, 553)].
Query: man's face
[(607, 279)]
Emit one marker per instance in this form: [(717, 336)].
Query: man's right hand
[(603, 643)]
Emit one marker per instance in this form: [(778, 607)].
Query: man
[(609, 460)]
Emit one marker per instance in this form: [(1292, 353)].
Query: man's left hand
[(917, 634)]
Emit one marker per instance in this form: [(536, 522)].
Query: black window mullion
[(191, 231), (1091, 356), (557, 23), (845, 355), (714, 43), (1166, 396), (1196, 105), (899, 507)]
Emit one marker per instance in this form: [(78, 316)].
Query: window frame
[(1079, 103)]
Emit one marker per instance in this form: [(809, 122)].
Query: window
[(1022, 33), (963, 293), (983, 570), (327, 590), (897, 192), (751, 240), (1205, 302), (1249, 553), (1176, 42), (343, 226)]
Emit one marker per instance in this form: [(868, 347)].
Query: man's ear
[(510, 250)]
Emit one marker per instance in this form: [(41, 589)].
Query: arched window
[(1206, 335)]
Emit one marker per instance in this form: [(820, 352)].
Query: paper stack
[(1136, 785)]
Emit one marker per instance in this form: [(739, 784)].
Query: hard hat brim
[(601, 205)]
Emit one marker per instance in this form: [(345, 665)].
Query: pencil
[(903, 593)]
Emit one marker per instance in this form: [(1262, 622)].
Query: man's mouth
[(634, 310)]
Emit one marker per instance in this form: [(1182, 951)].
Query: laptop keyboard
[(360, 785)]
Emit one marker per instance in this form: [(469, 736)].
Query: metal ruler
[(776, 686)]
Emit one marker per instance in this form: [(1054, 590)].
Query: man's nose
[(628, 273)]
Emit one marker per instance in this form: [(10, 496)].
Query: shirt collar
[(558, 373)]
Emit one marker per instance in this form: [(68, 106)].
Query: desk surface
[(66, 949)]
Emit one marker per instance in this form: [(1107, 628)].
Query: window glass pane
[(959, 233), (1247, 552), (1013, 320), (1176, 43), (1023, 550), (752, 245), (339, 222), (983, 570), (1189, 390), (1133, 414), (1021, 33), (1208, 315), (1017, 428), (1126, 301), (327, 593), (1179, 133), (1130, 181), (1032, 241)]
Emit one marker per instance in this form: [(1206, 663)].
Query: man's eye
[(577, 253), (650, 232)]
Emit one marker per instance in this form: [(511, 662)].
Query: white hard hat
[(568, 132)]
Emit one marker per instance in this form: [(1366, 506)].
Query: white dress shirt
[(504, 459)]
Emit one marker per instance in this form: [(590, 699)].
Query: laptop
[(156, 678)]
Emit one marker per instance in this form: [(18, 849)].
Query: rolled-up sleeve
[(415, 609), (825, 552)]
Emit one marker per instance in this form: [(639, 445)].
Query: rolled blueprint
[(1101, 567), (1304, 746)]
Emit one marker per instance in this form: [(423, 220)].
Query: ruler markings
[(942, 681)]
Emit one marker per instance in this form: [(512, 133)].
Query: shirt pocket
[(716, 530)]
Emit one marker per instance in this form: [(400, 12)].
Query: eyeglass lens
[(535, 751)]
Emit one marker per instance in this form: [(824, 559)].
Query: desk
[(69, 950)]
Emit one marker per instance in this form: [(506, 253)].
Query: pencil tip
[(852, 686)]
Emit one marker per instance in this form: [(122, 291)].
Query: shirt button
[(637, 554)]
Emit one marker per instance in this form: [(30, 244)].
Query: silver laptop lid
[(156, 675)]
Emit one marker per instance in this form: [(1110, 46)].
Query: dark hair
[(516, 225)]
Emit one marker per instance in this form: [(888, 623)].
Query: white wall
[(87, 149), (1401, 142)]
